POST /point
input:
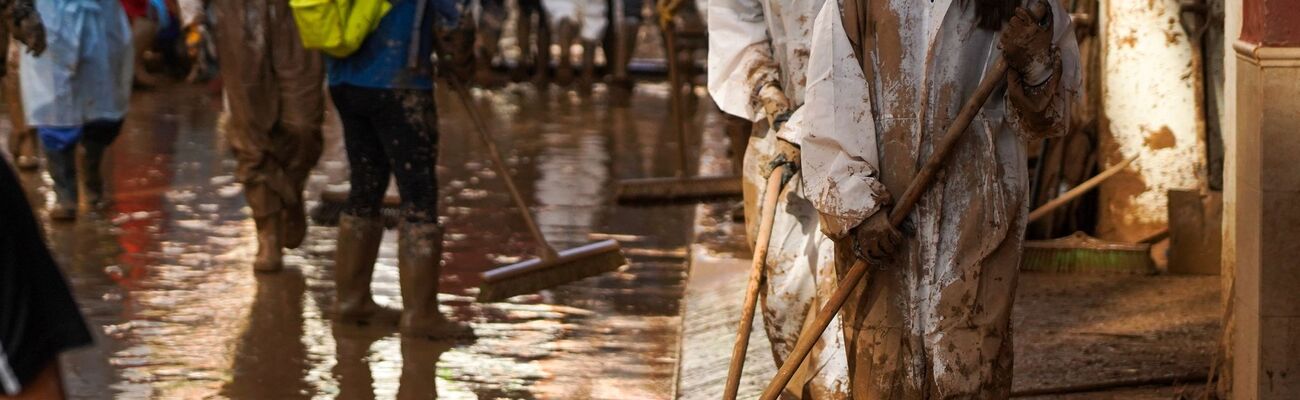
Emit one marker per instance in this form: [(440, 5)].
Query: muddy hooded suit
[(934, 322), (756, 48), (274, 92)]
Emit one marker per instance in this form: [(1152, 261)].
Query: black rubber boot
[(62, 165)]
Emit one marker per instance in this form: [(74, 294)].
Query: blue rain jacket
[(85, 72)]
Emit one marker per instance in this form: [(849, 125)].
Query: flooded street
[(165, 278)]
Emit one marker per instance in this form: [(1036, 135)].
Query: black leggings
[(390, 131)]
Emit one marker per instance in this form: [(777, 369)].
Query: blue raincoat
[(84, 74)]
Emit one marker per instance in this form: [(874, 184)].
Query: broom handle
[(675, 80), (993, 78), (756, 281), (1046, 209), (547, 251)]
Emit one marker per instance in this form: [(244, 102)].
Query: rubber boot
[(419, 265), (295, 225), (144, 32), (588, 65), (621, 84), (354, 266), (567, 32), (24, 150), (98, 136), (270, 254), (543, 52), (63, 171)]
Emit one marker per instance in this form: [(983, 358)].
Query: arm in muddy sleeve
[(740, 57), (838, 132), (1043, 109)]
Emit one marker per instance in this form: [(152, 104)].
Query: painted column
[(1150, 109), (1266, 199)]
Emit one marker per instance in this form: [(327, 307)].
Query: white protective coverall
[(753, 43), (85, 73), (935, 321)]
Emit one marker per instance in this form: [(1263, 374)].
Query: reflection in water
[(269, 355), (165, 276)]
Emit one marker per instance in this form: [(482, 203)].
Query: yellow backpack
[(337, 27)]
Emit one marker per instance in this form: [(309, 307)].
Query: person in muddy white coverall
[(276, 104), (757, 64), (76, 95), (884, 79)]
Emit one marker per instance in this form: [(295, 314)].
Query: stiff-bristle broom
[(551, 268), (1082, 253)]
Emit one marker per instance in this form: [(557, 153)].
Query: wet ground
[(1071, 330), (165, 280)]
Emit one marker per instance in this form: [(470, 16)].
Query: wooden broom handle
[(756, 280), (675, 95), (993, 78), (547, 252)]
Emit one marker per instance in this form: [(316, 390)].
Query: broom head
[(537, 274), (677, 190), (1082, 253)]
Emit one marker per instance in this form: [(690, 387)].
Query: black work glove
[(876, 240), (1027, 46)]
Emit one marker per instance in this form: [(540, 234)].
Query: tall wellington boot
[(354, 266), (97, 137), (270, 254), (295, 225), (419, 265), (62, 165), (567, 32), (588, 64)]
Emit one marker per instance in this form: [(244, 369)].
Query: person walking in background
[(577, 22), (384, 95), (24, 27), (276, 106), (76, 94)]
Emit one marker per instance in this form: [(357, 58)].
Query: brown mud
[(165, 276)]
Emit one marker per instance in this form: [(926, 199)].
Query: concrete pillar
[(1150, 108), (1266, 307)]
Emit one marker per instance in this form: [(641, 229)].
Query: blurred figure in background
[(384, 95), (23, 26), (276, 105), (76, 94), (620, 43), (533, 33), (490, 19), (38, 317), (577, 22)]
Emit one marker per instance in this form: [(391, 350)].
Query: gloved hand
[(876, 240), (28, 28), (456, 52), (776, 107), (1027, 46), (787, 154)]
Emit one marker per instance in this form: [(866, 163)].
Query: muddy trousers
[(75, 170), (390, 132), (967, 352)]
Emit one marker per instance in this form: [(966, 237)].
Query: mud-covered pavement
[(165, 278)]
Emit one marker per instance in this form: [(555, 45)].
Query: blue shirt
[(382, 61)]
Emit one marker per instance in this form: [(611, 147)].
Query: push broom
[(858, 272), (551, 268), (756, 282), (681, 188)]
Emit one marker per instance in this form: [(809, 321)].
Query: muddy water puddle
[(165, 280)]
